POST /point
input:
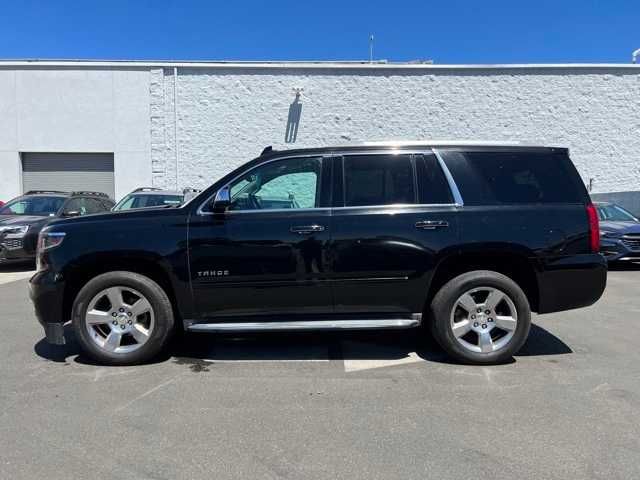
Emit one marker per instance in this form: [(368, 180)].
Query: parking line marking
[(356, 358)]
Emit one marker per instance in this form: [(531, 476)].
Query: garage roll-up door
[(68, 172)]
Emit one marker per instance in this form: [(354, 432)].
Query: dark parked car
[(619, 233), (22, 218), (467, 240)]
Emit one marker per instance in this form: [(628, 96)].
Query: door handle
[(431, 224), (306, 229)]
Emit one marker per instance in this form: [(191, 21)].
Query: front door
[(394, 221), (266, 255)]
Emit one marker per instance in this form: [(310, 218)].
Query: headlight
[(14, 230), (48, 240), (608, 234)]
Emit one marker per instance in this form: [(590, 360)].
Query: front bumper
[(13, 250), (615, 249), (46, 290)]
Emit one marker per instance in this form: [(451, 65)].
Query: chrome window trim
[(275, 210), (457, 197), (397, 206), (338, 153)]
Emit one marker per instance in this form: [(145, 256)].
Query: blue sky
[(451, 31)]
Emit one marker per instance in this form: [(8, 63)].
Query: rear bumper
[(46, 290), (571, 282)]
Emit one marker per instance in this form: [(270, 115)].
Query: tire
[(143, 328), (463, 334)]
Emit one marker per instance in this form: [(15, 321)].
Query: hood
[(22, 219), (620, 228), (134, 214)]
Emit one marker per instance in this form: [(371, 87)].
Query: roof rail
[(35, 192), (147, 189), (446, 143), (266, 150), (95, 194)]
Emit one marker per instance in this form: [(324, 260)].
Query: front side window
[(283, 184), (76, 206), (378, 180), (93, 205), (37, 205)]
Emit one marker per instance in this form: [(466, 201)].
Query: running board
[(305, 325)]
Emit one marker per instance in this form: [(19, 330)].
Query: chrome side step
[(305, 325)]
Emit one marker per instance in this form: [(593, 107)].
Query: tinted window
[(36, 205), (378, 180), (290, 183), (514, 177), (77, 204), (432, 184), (93, 205)]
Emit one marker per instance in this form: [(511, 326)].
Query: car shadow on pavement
[(624, 266), (199, 350)]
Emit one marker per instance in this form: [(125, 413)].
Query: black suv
[(465, 239), (22, 218)]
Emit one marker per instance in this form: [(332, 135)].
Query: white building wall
[(225, 116), (75, 110)]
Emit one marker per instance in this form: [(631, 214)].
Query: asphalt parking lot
[(383, 405)]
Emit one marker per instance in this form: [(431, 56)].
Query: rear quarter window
[(490, 178)]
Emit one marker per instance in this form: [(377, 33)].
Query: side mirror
[(222, 200), (72, 213)]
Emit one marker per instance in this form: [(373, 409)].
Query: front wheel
[(122, 318), (481, 317)]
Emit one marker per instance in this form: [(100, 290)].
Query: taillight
[(594, 228)]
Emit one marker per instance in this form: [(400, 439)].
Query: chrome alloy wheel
[(484, 319), (119, 319)]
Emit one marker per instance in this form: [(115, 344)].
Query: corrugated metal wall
[(68, 172)]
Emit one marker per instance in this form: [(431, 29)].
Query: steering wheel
[(254, 202)]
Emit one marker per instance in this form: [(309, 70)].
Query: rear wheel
[(122, 318), (481, 317)]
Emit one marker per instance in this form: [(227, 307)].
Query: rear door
[(394, 216)]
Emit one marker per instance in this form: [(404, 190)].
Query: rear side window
[(378, 180), (489, 178), (433, 187)]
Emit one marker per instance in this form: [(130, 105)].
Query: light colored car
[(147, 197)]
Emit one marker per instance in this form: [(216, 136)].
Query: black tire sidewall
[(163, 317), (444, 301)]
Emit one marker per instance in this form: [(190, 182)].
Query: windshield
[(614, 213), (37, 205), (144, 201)]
